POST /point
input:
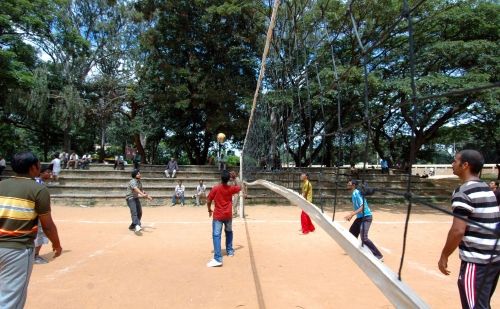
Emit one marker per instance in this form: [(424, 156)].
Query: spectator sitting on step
[(432, 171), (84, 162), (201, 193), (178, 194), (119, 163), (73, 161), (172, 168), (64, 157)]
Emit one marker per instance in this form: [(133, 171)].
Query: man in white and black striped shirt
[(479, 246)]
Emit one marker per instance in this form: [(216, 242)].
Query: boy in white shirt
[(179, 194), (201, 193)]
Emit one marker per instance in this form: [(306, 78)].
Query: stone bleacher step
[(102, 185)]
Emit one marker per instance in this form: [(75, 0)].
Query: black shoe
[(131, 227)]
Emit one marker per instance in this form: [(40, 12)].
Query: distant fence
[(427, 169), (445, 169)]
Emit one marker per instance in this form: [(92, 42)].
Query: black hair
[(45, 168), (134, 173), (354, 182), (23, 161), (474, 158), (224, 176)]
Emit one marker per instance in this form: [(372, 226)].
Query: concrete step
[(147, 167), (102, 185), (188, 181), (267, 198), (145, 174)]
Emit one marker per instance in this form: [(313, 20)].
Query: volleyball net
[(396, 291)]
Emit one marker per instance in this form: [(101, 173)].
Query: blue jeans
[(15, 271), (217, 234), (175, 197)]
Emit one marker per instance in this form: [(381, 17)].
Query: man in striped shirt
[(23, 202), (477, 238)]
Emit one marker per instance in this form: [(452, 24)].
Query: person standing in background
[(3, 165), (41, 238), (56, 167), (305, 220), (496, 190), (137, 160)]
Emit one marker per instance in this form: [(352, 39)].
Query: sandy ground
[(106, 266)]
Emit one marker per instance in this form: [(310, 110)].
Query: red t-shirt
[(222, 196)]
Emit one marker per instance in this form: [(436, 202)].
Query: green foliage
[(168, 76), (233, 161), (201, 58)]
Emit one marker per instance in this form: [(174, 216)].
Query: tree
[(201, 59)]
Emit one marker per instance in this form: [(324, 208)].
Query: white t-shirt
[(200, 189), (56, 166), (2, 163), (179, 190)]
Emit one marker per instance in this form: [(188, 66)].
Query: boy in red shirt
[(222, 215)]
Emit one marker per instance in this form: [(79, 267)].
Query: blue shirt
[(357, 201)]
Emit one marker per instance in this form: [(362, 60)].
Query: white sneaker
[(214, 263), (138, 229)]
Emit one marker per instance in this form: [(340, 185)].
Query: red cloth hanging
[(306, 223)]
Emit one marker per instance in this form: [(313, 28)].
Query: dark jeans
[(362, 225), (135, 210)]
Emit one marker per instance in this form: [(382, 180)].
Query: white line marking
[(386, 250), (68, 269), (424, 269)]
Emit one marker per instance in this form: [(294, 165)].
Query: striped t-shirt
[(21, 201), (132, 184), (476, 201)]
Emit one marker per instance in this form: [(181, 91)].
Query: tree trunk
[(67, 140), (138, 146), (102, 151)]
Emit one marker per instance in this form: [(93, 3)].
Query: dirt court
[(104, 265)]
